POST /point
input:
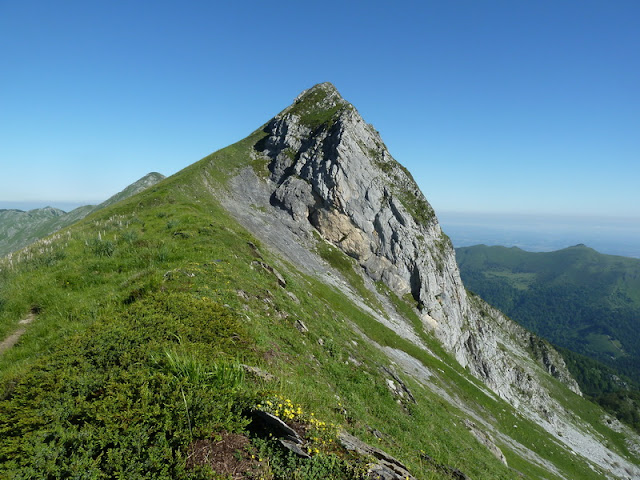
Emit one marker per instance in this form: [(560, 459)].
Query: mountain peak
[(317, 105), (332, 177), (319, 90)]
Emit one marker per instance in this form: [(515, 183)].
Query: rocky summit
[(287, 307)]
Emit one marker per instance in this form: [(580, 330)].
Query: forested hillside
[(577, 298)]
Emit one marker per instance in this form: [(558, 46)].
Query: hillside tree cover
[(586, 302)]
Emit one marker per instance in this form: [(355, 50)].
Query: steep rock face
[(331, 170), (339, 177)]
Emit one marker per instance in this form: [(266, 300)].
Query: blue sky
[(494, 106)]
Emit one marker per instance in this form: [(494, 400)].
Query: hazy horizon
[(612, 235), (534, 232)]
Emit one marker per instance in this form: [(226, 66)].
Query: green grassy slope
[(146, 312)]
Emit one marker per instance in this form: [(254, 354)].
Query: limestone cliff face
[(340, 177), (331, 170)]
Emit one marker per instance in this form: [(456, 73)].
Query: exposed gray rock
[(486, 440), (354, 361), (292, 296), (386, 468), (295, 196), (258, 372), (397, 386), (255, 249), (281, 281), (302, 328), (339, 178), (552, 361), (277, 427), (294, 447), (286, 435)]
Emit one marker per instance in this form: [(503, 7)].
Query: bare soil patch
[(226, 453), (12, 339)]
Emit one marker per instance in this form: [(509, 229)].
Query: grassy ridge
[(147, 312), (18, 229)]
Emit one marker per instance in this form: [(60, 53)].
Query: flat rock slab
[(387, 468), (286, 435)]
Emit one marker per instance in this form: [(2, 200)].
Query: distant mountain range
[(19, 228), (543, 232)]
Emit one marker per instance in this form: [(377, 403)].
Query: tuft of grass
[(314, 111), (220, 375)]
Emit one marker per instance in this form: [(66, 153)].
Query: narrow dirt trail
[(12, 339)]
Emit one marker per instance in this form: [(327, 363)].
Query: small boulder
[(386, 466)]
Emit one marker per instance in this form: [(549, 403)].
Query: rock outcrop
[(330, 170), (384, 466)]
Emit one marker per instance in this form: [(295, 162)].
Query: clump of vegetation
[(285, 465), (417, 206), (313, 113), (328, 459), (101, 248), (126, 397)]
